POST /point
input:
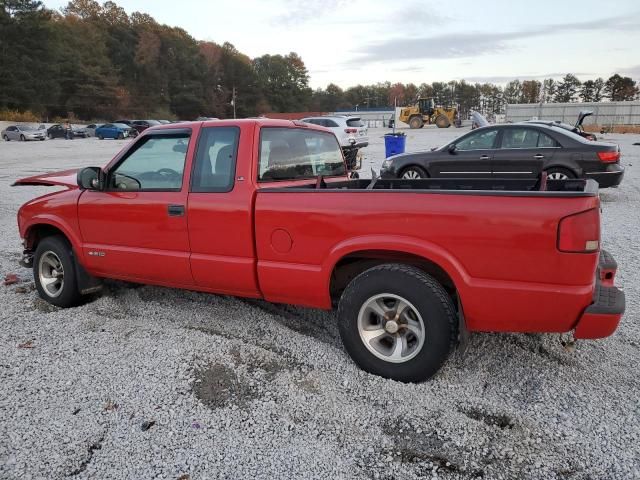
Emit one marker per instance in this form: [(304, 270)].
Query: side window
[(155, 164), (519, 138), (330, 123), (545, 141), (215, 165), (297, 153), (481, 140), (11, 129)]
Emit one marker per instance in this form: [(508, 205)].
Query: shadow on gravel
[(501, 421)]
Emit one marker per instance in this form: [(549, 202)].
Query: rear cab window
[(298, 153)]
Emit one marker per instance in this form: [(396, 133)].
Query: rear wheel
[(54, 272), (558, 173), (397, 322), (413, 173), (442, 121), (416, 122)]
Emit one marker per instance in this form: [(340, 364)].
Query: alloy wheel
[(391, 328)]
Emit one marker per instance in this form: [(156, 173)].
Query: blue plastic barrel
[(394, 143)]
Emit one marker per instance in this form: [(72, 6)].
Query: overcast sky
[(366, 41)]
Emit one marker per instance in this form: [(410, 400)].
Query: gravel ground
[(146, 382)]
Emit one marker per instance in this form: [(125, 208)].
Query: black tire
[(416, 122), (121, 136), (22, 139), (414, 172), (100, 137), (6, 138), (429, 299), (559, 171), (69, 294), (50, 136), (442, 121)]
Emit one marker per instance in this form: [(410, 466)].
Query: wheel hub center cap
[(391, 326)]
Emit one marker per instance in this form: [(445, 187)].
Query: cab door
[(220, 209), (136, 228)]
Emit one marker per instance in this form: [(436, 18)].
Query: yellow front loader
[(425, 112)]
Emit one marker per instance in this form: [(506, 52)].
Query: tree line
[(487, 98), (95, 61)]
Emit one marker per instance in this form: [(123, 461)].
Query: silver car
[(90, 130), (23, 133)]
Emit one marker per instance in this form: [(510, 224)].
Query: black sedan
[(60, 131), (513, 151)]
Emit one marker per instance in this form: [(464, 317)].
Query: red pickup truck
[(264, 209)]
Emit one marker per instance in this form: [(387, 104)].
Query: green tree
[(513, 92), (531, 91), (620, 88), (598, 89), (567, 89)]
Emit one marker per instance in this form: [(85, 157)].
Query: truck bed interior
[(473, 186)]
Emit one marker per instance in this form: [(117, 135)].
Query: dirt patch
[(502, 421), (218, 386)]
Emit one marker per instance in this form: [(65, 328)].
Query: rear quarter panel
[(499, 250)]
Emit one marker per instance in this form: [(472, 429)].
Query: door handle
[(175, 210), (484, 157), (538, 156)]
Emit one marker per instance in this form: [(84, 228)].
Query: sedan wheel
[(414, 173), (6, 138), (559, 174), (22, 139)]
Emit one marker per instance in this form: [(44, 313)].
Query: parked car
[(350, 131), (60, 131), (519, 150), (165, 122), (142, 125), (91, 129), (411, 257), (576, 128), (117, 131), (22, 133)]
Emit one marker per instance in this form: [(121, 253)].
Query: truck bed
[(496, 239)]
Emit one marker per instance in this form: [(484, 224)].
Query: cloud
[(633, 72), (471, 44), (299, 11)]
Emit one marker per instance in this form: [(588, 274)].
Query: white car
[(351, 133), (90, 130)]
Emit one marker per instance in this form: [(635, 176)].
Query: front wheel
[(54, 272), (557, 173), (413, 173), (120, 136), (100, 137), (22, 139), (6, 138), (397, 322), (416, 122)]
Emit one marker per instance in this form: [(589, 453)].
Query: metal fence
[(371, 118), (604, 113)]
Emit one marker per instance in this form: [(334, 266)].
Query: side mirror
[(452, 148), (91, 178)]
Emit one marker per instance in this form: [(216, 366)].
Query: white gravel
[(244, 389)]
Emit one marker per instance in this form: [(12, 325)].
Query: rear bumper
[(611, 177), (601, 318)]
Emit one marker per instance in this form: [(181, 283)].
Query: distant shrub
[(16, 116)]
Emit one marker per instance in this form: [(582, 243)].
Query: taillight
[(609, 157), (580, 233), (350, 130)]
